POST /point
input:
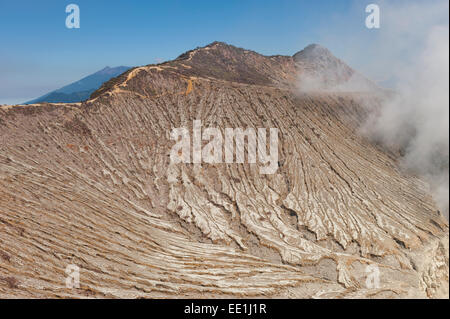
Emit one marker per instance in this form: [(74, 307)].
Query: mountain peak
[(218, 43), (112, 71), (320, 70), (212, 45), (313, 52), (226, 62)]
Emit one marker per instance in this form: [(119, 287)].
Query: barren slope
[(91, 184)]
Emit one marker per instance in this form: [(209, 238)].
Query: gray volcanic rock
[(91, 184), (321, 70)]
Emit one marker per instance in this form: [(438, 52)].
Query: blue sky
[(39, 54)]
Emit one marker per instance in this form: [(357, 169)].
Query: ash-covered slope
[(92, 184)]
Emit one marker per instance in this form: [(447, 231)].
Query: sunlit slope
[(92, 184)]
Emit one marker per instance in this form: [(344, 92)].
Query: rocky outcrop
[(92, 184)]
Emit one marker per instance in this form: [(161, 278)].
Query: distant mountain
[(82, 89)]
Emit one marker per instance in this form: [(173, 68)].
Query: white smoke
[(410, 55), (415, 119)]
